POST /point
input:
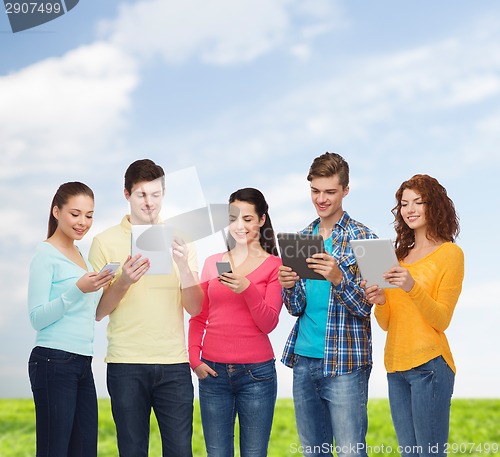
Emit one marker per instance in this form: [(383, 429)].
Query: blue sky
[(247, 93)]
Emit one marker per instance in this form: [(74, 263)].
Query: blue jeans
[(329, 409), (135, 389), (65, 403), (246, 390), (420, 401)]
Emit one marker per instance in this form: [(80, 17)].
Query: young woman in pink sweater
[(229, 347), (418, 360)]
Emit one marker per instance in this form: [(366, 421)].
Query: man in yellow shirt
[(147, 360)]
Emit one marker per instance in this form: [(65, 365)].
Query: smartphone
[(111, 267), (223, 267)]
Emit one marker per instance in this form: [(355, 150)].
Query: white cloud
[(218, 32), (489, 124), (432, 102), (473, 89), (63, 107), (301, 51)]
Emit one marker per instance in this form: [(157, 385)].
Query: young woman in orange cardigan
[(415, 315)]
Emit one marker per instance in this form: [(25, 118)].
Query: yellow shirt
[(148, 324), (415, 321)]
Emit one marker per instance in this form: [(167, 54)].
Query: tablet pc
[(153, 242), (374, 258), (295, 248)]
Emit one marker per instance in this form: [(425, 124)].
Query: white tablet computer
[(295, 248), (374, 258), (154, 242)]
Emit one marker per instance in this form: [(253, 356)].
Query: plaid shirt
[(348, 342)]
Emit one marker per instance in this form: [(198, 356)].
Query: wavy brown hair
[(440, 214)]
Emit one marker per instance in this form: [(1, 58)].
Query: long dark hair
[(440, 214), (256, 198), (63, 194)]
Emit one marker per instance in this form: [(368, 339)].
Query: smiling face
[(74, 218), (244, 223), (145, 201), (413, 209), (327, 194)]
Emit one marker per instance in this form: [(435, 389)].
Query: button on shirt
[(348, 341)]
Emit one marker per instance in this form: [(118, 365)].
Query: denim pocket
[(42, 354), (211, 365), (37, 372), (206, 379), (427, 367), (262, 371), (62, 359)]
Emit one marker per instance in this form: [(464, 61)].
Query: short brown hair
[(330, 164), (143, 170)]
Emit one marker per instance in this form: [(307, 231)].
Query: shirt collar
[(125, 223), (343, 223)]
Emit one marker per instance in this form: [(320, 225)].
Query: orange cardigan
[(415, 321)]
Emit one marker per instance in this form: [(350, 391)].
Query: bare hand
[(180, 253), (92, 282), (373, 294), (287, 277), (134, 269), (203, 370), (235, 282), (401, 277), (326, 266)]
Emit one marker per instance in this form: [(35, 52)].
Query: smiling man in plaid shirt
[(330, 345)]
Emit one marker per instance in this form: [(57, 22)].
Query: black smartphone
[(223, 267)]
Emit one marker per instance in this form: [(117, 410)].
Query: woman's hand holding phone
[(235, 282), (92, 281)]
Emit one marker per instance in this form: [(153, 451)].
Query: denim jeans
[(420, 401), (65, 403), (331, 412), (246, 390), (135, 389)]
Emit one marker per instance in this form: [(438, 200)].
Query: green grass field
[(474, 430)]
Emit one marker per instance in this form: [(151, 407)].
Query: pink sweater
[(233, 328)]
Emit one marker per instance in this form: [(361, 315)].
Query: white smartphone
[(111, 267), (223, 267)]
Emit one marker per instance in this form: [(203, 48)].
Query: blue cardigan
[(62, 314)]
